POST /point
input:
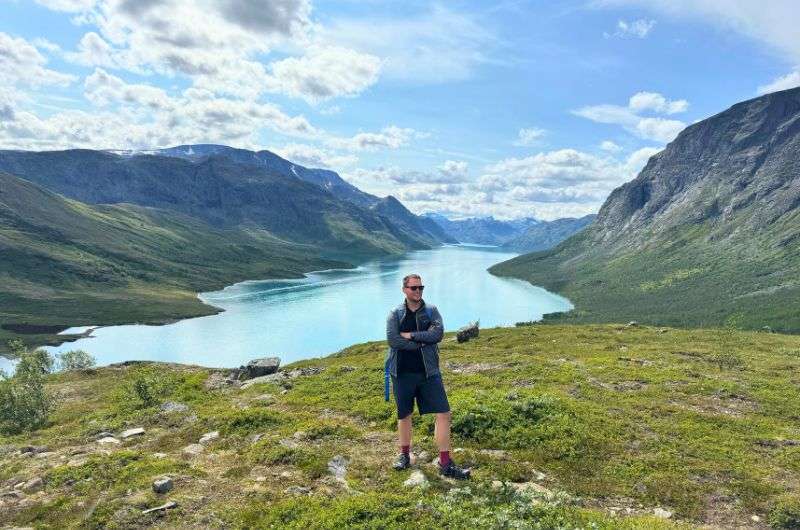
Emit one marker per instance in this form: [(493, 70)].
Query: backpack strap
[(386, 366)]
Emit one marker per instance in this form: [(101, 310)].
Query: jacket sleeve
[(393, 335), (435, 330)]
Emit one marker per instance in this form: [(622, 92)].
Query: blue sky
[(500, 108)]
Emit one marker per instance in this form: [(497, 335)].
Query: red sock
[(405, 449), (444, 458)]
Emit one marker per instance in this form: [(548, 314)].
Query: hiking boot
[(403, 462), (453, 471)]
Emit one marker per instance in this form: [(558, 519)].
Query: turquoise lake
[(327, 311)]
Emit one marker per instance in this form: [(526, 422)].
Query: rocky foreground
[(612, 426)]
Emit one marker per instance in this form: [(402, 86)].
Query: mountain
[(482, 230), (547, 234), (67, 263), (217, 190), (708, 233), (427, 230), (324, 178)]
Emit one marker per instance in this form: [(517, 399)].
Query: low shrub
[(25, 404), (76, 360)]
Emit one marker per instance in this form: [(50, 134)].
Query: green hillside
[(65, 263), (565, 426), (707, 234)]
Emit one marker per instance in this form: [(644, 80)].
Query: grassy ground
[(602, 423), (692, 277)]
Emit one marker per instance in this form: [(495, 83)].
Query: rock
[(163, 507), (297, 490), (209, 437), (261, 479), (424, 457), (337, 466), (470, 331), (160, 456), (417, 478), (347, 368), (530, 487), (136, 431), (108, 440), (259, 367), (755, 518), (767, 329), (494, 453), (632, 324), (14, 495), (32, 449), (33, 485), (103, 434), (219, 381), (299, 435), (662, 513), (171, 407), (662, 330), (162, 485), (278, 378), (286, 474), (265, 398), (193, 449)]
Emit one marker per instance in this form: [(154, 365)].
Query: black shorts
[(429, 393)]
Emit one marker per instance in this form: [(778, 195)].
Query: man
[(414, 331)]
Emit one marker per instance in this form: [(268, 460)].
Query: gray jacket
[(427, 340)]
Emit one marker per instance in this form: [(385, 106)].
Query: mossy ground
[(620, 420)]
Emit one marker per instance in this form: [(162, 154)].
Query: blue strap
[(386, 364)]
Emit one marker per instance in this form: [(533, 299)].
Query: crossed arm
[(418, 338)]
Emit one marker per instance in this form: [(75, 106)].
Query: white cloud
[(432, 47), (103, 89), (649, 128), (635, 28), (790, 80), (311, 156), (773, 22), (22, 63), (454, 169), (642, 101), (391, 137), (610, 146), (325, 73), (529, 136)]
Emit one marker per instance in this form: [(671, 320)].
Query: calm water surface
[(327, 311)]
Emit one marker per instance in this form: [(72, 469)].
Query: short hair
[(405, 279)]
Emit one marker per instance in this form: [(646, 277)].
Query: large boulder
[(259, 368), (468, 332)]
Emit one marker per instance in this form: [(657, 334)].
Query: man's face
[(413, 290)]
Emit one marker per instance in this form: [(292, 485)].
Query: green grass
[(691, 277), (691, 420)]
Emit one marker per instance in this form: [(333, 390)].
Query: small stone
[(108, 440), (299, 435), (755, 518), (632, 324), (16, 495), (162, 485), (297, 490), (417, 478), (261, 479), (136, 431), (33, 485), (160, 456), (167, 506), (209, 437), (256, 437), (286, 474), (46, 454), (104, 434), (337, 466), (193, 449), (662, 513), (284, 391), (32, 449), (373, 424), (171, 407), (424, 456)]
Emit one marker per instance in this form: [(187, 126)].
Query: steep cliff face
[(739, 169), (708, 233)]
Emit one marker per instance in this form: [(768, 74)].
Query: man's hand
[(406, 335)]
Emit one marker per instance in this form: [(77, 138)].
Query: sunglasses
[(419, 288)]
